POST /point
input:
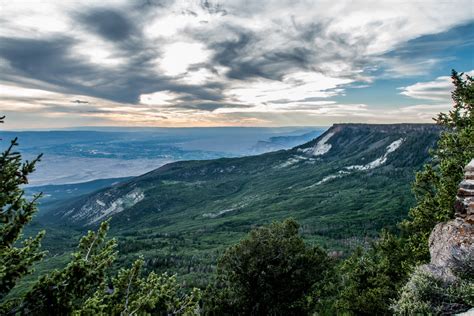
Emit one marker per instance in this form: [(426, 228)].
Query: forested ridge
[(272, 270)]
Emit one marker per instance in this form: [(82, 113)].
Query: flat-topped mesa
[(385, 128), (465, 197)]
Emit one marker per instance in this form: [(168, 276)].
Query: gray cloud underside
[(246, 53), (54, 60), (247, 56), (50, 61)]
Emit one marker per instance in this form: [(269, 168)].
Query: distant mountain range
[(76, 156), (343, 187), (84, 155)]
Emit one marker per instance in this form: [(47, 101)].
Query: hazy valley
[(74, 156)]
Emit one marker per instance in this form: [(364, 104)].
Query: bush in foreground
[(426, 294), (270, 272)]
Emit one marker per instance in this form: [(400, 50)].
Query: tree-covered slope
[(342, 187)]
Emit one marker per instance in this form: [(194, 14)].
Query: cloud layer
[(182, 63), (436, 90)]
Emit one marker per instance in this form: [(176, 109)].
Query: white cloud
[(420, 112), (399, 68), (158, 98), (436, 90), (97, 51), (177, 57), (292, 88), (197, 77)]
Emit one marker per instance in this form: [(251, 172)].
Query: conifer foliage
[(63, 291), (16, 255), (436, 185), (270, 272), (131, 294)]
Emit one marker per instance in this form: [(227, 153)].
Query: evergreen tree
[(436, 185), (270, 272), (131, 294), (63, 291), (16, 256), (370, 279), (81, 288)]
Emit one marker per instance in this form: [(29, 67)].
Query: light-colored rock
[(449, 242), (469, 171), (381, 160), (453, 241), (97, 210)]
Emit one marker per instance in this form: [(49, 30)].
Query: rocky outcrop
[(452, 250), (465, 199), (453, 241), (445, 285)]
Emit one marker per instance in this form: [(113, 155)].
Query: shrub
[(270, 272), (427, 294)]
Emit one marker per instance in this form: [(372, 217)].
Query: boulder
[(453, 241)]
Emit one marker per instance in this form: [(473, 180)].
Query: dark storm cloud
[(121, 30), (109, 24), (57, 61), (213, 7), (53, 61), (230, 53), (247, 57), (245, 53), (147, 6), (45, 60), (296, 56)]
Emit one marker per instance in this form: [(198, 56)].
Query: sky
[(229, 63)]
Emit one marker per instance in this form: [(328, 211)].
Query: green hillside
[(343, 187)]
